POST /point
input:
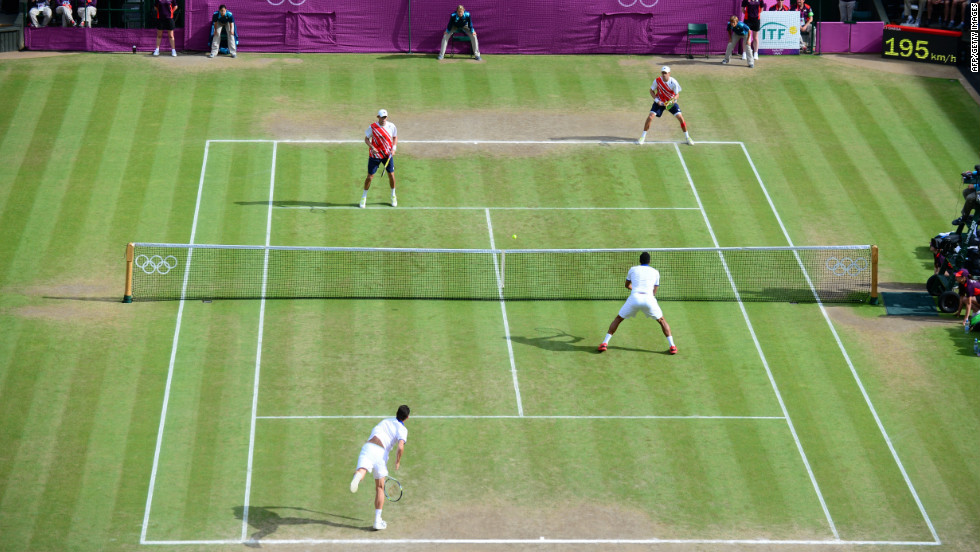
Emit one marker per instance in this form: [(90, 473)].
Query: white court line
[(623, 142), (522, 417), (762, 356), (173, 352), (423, 208), (847, 358), (503, 311), (258, 349), (542, 540)]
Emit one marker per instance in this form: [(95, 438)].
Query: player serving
[(374, 457), (382, 141), (642, 281), (665, 90)]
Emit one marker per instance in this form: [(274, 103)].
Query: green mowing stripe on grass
[(62, 485), (859, 478)]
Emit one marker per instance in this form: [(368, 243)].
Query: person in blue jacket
[(460, 22), (738, 30), (224, 20)]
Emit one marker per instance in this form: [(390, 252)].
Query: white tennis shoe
[(363, 203), (690, 142), (394, 201), (380, 525), (640, 141)]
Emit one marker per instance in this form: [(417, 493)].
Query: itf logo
[(775, 31)]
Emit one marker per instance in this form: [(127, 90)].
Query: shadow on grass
[(962, 341), (563, 342), (266, 520)]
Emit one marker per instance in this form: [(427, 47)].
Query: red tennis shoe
[(602, 347), (672, 350)]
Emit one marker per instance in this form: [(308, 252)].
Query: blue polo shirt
[(457, 22), (221, 19), (741, 29)]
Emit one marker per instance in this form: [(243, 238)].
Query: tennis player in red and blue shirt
[(665, 91), (382, 140)]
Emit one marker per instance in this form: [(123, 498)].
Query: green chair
[(697, 33)]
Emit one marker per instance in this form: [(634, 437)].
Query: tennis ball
[(514, 236)]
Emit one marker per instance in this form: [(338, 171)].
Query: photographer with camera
[(972, 181)]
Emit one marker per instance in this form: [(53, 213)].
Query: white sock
[(172, 51), (670, 340), (608, 337), (644, 134), (364, 195), (377, 515), (392, 192), (686, 135)]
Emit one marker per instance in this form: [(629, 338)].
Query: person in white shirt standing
[(382, 141), (374, 458), (665, 90), (642, 281)]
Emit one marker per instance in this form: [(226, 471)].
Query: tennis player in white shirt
[(374, 458), (642, 281)]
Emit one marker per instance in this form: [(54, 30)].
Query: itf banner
[(779, 33)]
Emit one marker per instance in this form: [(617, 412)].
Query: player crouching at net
[(665, 90), (382, 141), (642, 281), (374, 457)]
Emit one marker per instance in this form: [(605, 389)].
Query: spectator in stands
[(940, 6), (165, 10), (40, 7), (957, 12), (847, 10), (779, 6), (223, 20), (752, 12), (460, 22), (738, 31), (806, 24), (907, 18), (86, 12), (64, 10)]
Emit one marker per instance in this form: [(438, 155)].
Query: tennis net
[(161, 271)]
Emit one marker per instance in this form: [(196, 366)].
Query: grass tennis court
[(778, 425)]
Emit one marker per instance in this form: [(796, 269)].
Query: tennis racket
[(670, 103), (393, 489)]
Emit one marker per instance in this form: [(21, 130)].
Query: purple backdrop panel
[(866, 37), (503, 26), (834, 38), (95, 40)]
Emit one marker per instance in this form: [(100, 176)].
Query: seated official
[(460, 22), (40, 7)]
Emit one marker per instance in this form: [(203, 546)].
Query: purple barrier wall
[(857, 38), (834, 38), (866, 37), (503, 27)]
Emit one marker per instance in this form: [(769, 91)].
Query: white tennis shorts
[(641, 302), (372, 459)]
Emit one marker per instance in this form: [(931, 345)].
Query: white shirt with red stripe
[(666, 90), (382, 138)]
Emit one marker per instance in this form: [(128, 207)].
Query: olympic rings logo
[(846, 266), (156, 263), (630, 4), (279, 3)]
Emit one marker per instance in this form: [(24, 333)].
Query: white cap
[(382, 113), (665, 69)]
